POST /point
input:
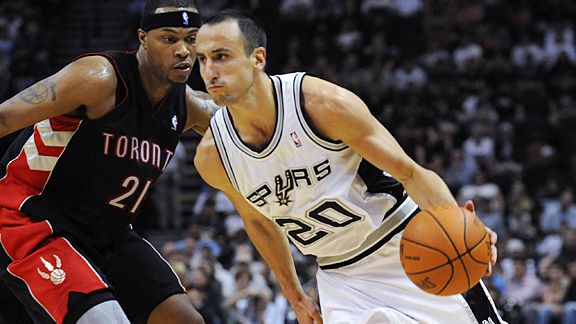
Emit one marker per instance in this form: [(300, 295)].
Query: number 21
[(132, 183)]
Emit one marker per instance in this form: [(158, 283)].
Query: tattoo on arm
[(201, 94), (38, 93), (208, 104), (210, 107)]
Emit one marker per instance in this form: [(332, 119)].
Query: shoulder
[(90, 77), (329, 105), (326, 97), (208, 163), (95, 69)]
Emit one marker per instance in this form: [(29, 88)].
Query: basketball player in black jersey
[(97, 134)]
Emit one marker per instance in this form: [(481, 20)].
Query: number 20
[(305, 234)]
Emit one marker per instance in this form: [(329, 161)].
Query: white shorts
[(376, 290)]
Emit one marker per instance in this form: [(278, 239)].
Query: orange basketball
[(445, 250)]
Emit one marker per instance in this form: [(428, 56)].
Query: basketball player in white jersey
[(301, 158)]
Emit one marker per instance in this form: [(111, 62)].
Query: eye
[(221, 57), (201, 59), (191, 39), (169, 39)]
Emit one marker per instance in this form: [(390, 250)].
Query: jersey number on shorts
[(131, 183), (330, 212)]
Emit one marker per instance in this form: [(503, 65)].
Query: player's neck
[(255, 114), (155, 88)]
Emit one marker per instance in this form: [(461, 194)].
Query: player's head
[(231, 48), (167, 34)]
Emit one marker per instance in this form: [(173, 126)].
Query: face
[(170, 51), (227, 70)]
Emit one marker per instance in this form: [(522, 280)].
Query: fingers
[(493, 250), (469, 204)]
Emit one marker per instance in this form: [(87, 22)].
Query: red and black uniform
[(69, 189)]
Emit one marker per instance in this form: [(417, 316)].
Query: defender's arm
[(88, 82), (200, 109)]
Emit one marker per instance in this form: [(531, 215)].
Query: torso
[(89, 177), (312, 187)]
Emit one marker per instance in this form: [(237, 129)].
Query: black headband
[(171, 19)]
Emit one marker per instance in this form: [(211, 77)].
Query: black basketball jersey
[(89, 177)]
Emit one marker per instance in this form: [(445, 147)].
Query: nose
[(209, 70), (183, 51)]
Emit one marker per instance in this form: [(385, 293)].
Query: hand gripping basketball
[(445, 250)]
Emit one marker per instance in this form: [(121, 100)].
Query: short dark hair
[(250, 27), (152, 5)]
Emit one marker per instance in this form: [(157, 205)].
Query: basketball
[(445, 250)]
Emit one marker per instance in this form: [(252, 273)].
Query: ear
[(260, 57), (142, 37)]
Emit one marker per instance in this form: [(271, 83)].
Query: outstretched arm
[(339, 114), (266, 236), (89, 82)]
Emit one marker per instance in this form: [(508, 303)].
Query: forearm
[(274, 248), (427, 189)]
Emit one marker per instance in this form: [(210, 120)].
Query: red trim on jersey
[(50, 267), (44, 150), (22, 180), (64, 123), (20, 183)]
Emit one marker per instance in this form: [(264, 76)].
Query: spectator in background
[(467, 53), (482, 188), (550, 305), (460, 171), (526, 52), (523, 286), (248, 304), (569, 306), (490, 214), (205, 294), (558, 211), (409, 75), (479, 146)]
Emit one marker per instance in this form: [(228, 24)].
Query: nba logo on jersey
[(185, 18), (174, 123), (296, 139)]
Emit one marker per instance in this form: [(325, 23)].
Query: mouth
[(183, 67), (212, 86)]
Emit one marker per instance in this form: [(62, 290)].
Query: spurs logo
[(57, 275), (283, 191)]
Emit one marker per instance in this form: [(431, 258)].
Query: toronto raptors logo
[(57, 275)]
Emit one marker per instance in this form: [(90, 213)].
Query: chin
[(178, 81)]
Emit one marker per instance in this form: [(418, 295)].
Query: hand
[(493, 239), (306, 310)]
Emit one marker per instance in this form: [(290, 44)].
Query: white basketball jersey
[(310, 186)]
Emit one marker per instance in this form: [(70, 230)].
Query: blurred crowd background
[(481, 91)]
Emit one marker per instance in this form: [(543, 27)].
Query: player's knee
[(193, 317), (108, 312), (177, 309)]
